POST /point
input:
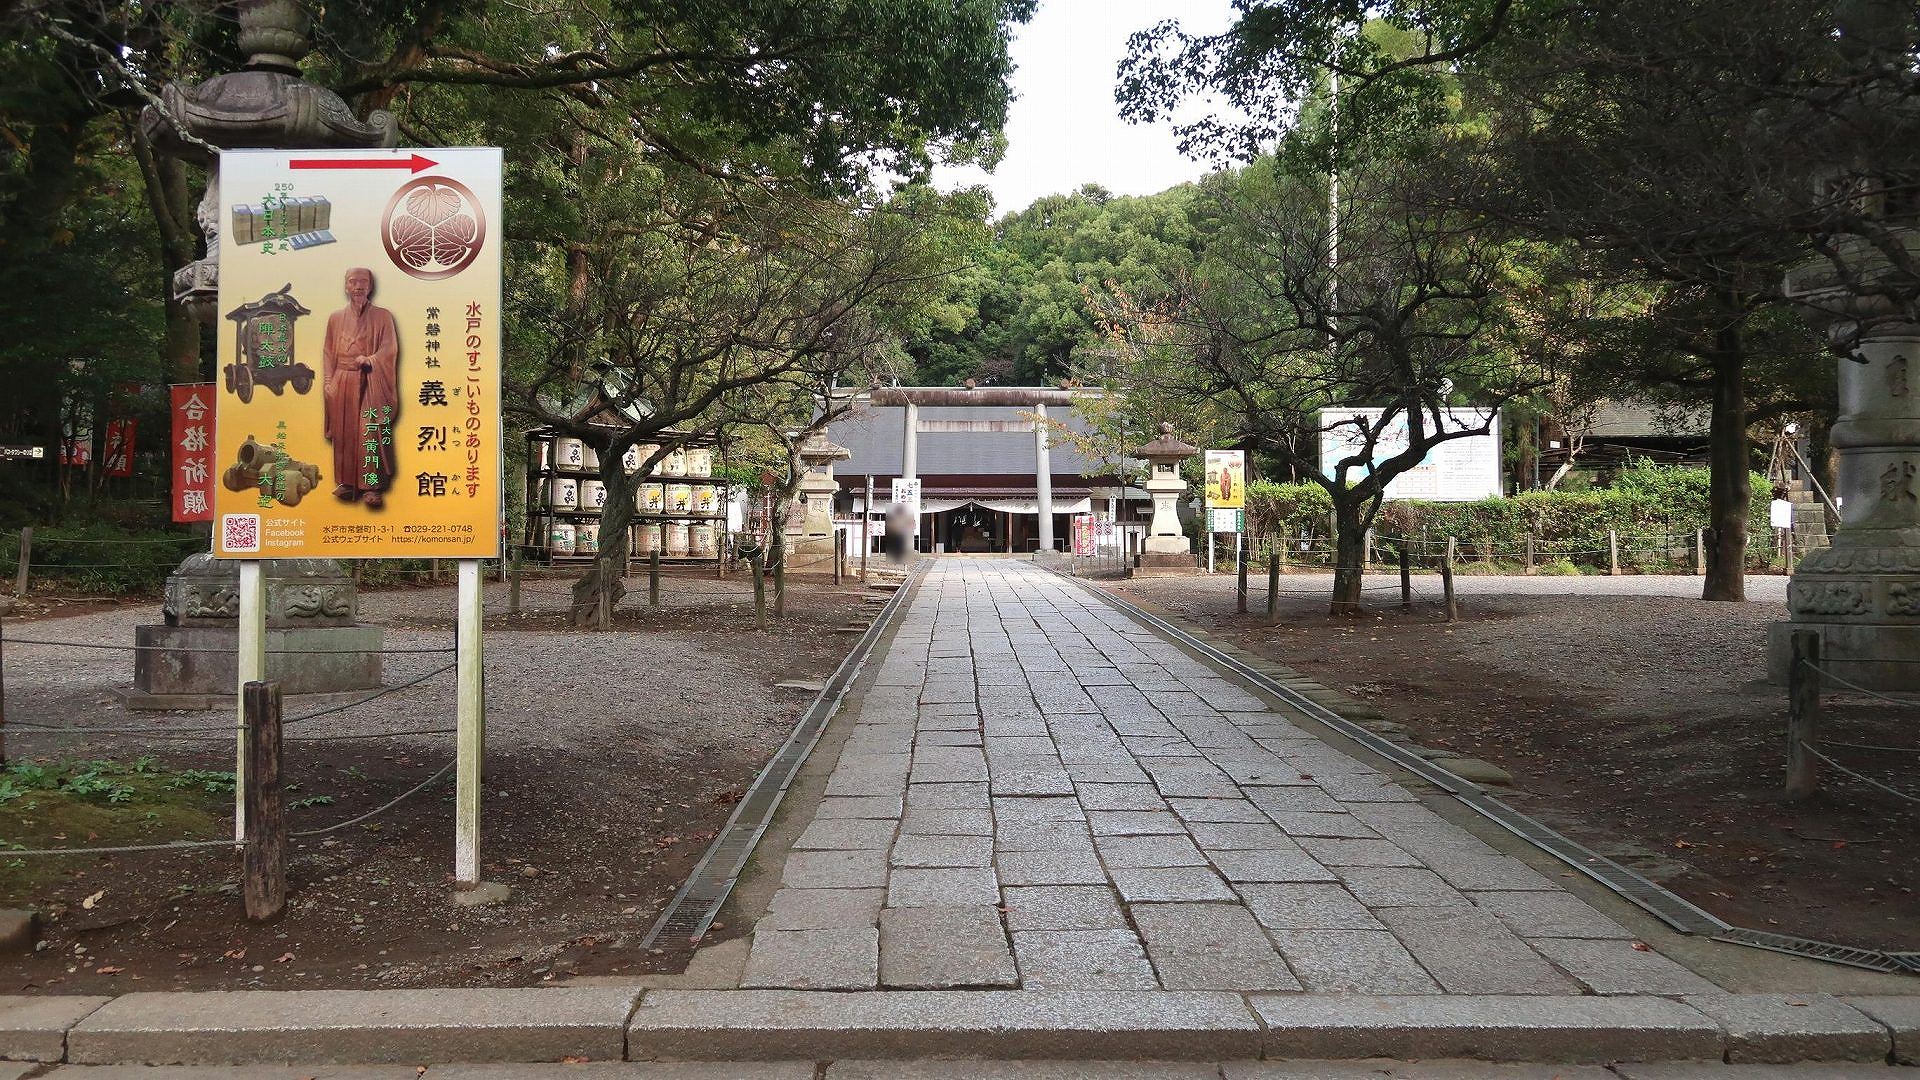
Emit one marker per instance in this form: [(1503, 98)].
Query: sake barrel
[(644, 453), (563, 493), (706, 499), (593, 494), (560, 537), (589, 458), (569, 453), (700, 541), (650, 498), (675, 539), (630, 461), (679, 499), (646, 539), (587, 538), (543, 455), (699, 461), (674, 464)]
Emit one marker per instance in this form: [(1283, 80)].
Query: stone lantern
[(1168, 551), (314, 642), (1862, 593), (818, 486)]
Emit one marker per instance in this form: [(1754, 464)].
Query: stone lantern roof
[(1166, 447)]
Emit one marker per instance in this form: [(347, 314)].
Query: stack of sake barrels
[(678, 504)]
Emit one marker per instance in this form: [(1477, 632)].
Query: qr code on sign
[(240, 532)]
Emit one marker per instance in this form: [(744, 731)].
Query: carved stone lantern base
[(313, 644)]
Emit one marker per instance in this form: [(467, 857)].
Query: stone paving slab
[(354, 1026), (1014, 1024), (35, 1028), (1494, 1028), (648, 1070), (1901, 1016), (1794, 1027), (1702, 1071), (1405, 1070), (1021, 1070)]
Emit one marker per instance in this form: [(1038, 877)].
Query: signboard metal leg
[(250, 663), (470, 720)]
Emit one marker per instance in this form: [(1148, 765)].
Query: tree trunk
[(1729, 488), (607, 577), (1350, 551)]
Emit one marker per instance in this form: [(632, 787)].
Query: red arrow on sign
[(411, 163)]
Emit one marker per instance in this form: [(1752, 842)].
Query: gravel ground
[(612, 759), (1634, 717)]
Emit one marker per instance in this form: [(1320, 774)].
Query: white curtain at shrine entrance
[(1005, 506)]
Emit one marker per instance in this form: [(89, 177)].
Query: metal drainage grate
[(1665, 905), (1871, 959), (693, 908)]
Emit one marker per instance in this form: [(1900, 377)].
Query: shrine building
[(997, 473)]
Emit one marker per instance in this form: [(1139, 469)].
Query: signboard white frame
[(1463, 469)]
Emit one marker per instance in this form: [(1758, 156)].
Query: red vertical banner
[(192, 451), (119, 449), (1083, 544)]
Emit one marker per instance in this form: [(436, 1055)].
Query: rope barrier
[(380, 693), (1871, 746), (396, 801), (1857, 688), (372, 735), (1837, 767), (174, 733), (175, 845), (11, 639)]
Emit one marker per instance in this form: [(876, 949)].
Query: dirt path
[(612, 760), (1639, 724)]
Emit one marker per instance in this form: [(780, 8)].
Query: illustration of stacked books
[(301, 220)]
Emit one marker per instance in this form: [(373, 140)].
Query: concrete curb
[(1488, 1028), (1008, 1024), (362, 1027), (35, 1028)]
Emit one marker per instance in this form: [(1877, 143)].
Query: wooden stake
[(653, 577), (470, 723), (1803, 714), (839, 554), (1274, 556), (757, 562), (1531, 568), (513, 586), (1699, 552), (3, 684), (780, 585), (250, 665), (1406, 576), (264, 860), (1240, 570), (26, 560), (1613, 552), (1446, 584)]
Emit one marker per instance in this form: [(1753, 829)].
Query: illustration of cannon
[(264, 330)]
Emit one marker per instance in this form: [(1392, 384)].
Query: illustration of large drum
[(560, 538), (569, 453), (563, 493), (699, 461), (675, 536), (593, 495)]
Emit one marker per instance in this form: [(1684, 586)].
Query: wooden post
[(26, 559), (780, 585), (470, 724), (1803, 714), (1240, 571), (1406, 576), (1446, 584), (866, 530), (264, 858), (603, 618), (653, 577), (1699, 553), (1366, 552), (1788, 539), (1613, 552), (250, 664), (757, 561), (3, 684), (839, 554), (513, 585), (1531, 566), (1274, 556)]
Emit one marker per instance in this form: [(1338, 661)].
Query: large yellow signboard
[(359, 395), (1226, 479)]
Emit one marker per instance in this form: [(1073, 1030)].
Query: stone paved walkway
[(1039, 792)]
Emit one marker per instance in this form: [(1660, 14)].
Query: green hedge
[(1655, 510), (99, 558)]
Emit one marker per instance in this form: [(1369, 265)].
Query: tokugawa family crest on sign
[(359, 404)]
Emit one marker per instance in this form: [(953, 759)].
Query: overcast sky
[(1064, 129)]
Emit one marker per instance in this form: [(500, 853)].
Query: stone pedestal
[(1167, 549), (314, 646), (1163, 564)]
